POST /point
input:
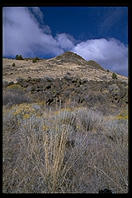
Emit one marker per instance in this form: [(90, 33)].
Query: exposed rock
[(81, 91), (67, 77)]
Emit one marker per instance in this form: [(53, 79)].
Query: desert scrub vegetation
[(35, 59), (13, 64), (13, 96), (89, 119), (19, 57), (14, 87), (123, 115), (114, 75), (49, 153)]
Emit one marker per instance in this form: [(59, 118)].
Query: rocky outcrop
[(77, 91)]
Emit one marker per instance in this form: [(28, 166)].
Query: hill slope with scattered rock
[(68, 78), (57, 67)]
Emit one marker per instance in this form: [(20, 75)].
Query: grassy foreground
[(65, 150)]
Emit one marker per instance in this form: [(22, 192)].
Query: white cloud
[(111, 53), (22, 34), (65, 41), (38, 13)]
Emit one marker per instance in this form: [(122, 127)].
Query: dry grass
[(57, 152), (15, 94), (52, 68)]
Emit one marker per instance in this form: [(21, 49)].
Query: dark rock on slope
[(104, 95)]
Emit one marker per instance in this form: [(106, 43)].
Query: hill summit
[(71, 57)]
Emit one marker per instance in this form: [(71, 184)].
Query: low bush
[(35, 59), (117, 130), (19, 57), (89, 119), (14, 97), (15, 86), (114, 76), (5, 83)]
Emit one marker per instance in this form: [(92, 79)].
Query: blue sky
[(88, 22), (97, 33)]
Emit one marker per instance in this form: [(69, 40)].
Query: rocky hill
[(69, 57), (67, 78), (65, 127), (95, 65), (57, 67)]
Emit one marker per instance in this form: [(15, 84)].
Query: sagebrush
[(65, 150)]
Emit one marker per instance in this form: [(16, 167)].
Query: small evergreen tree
[(114, 76), (13, 64), (34, 60), (19, 57)]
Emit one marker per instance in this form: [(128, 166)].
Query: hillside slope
[(56, 67)]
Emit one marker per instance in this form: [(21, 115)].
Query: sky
[(95, 33)]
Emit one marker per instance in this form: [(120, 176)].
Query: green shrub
[(114, 76), (13, 64), (108, 70), (34, 60), (19, 57)]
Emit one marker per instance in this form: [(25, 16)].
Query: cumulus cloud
[(65, 41), (38, 13), (22, 34), (110, 53), (25, 33)]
